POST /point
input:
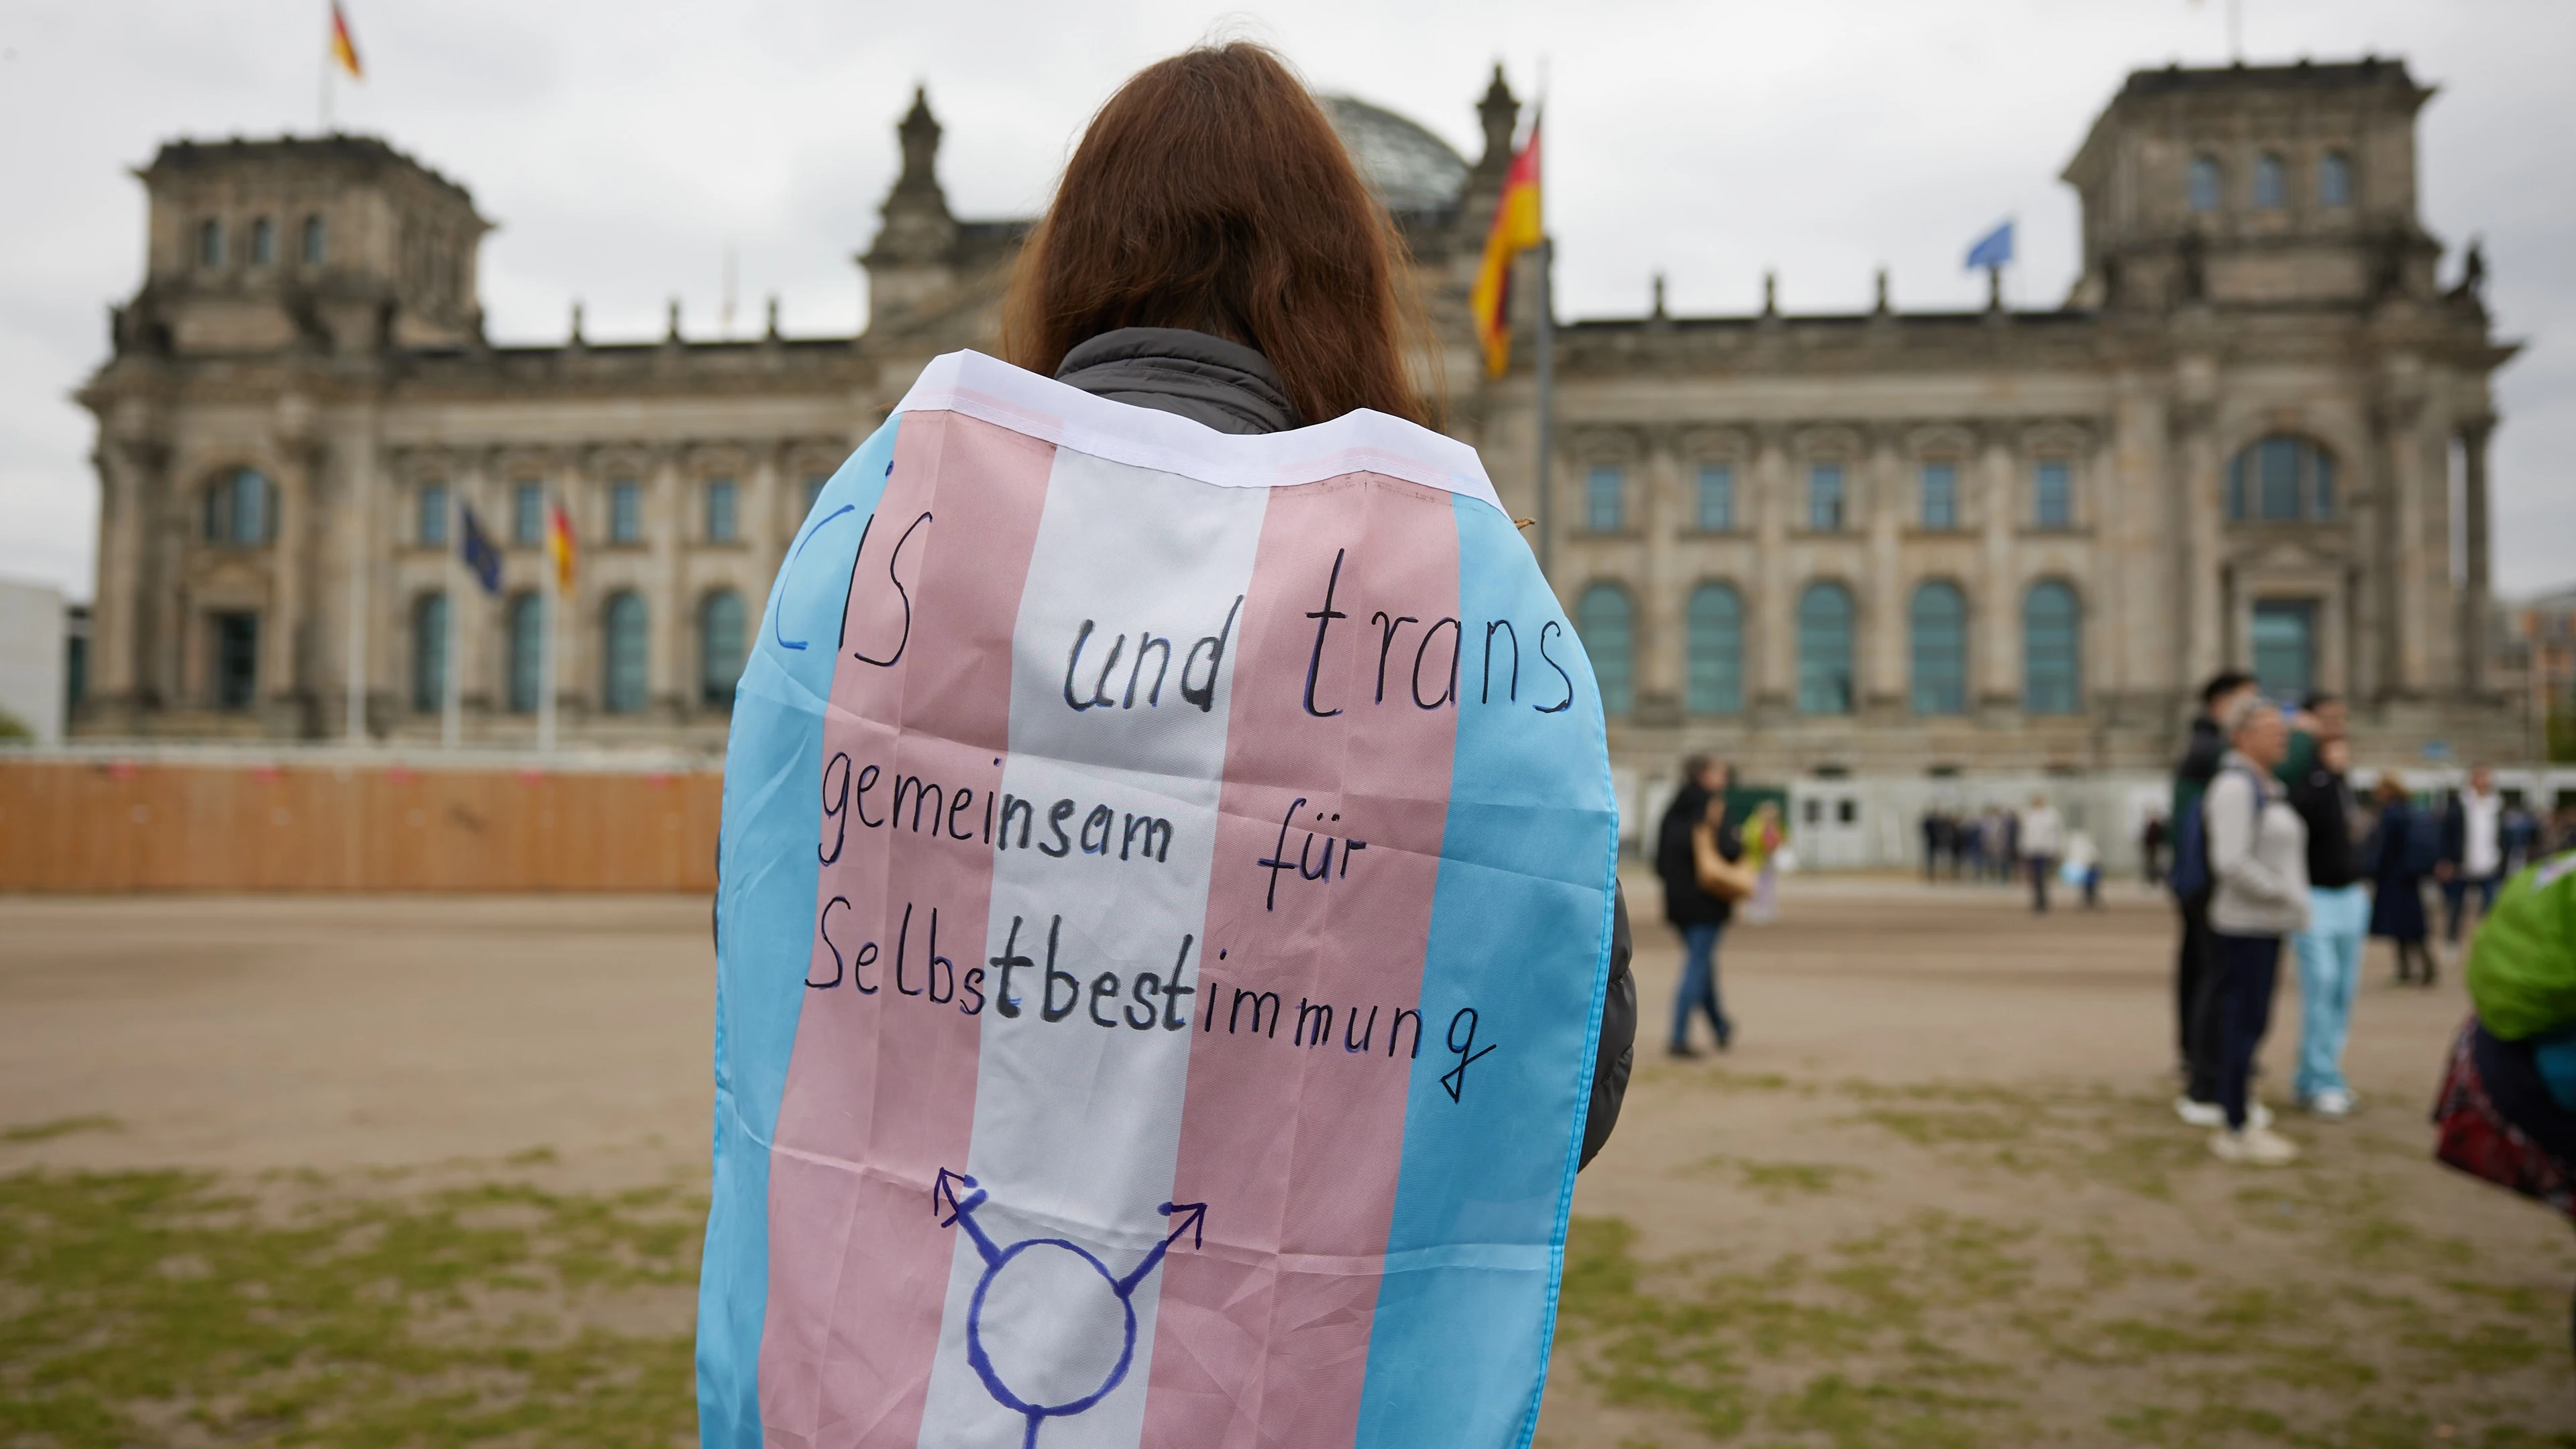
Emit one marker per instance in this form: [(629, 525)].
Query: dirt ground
[(1934, 1195)]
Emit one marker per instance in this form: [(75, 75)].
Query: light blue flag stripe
[(1520, 931), (1994, 249), (764, 907)]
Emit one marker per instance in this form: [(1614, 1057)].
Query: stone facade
[(1880, 543)]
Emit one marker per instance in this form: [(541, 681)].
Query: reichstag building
[(1883, 544)]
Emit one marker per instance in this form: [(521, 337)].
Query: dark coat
[(2399, 855), (1234, 389), (1685, 904)]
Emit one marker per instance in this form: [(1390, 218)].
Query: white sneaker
[(2200, 1114), (2332, 1102), (2257, 1116), (2254, 1147)]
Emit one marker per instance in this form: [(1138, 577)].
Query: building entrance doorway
[(236, 660), (2285, 649)]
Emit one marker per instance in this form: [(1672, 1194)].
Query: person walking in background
[(2258, 865), (1763, 841), (1932, 833), (2521, 831), (1699, 914), (2043, 843), (2329, 950), (2195, 1034), (1971, 835), (2472, 851), (2403, 848), (2151, 849), (2084, 867)]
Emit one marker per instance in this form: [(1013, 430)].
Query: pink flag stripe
[(1337, 771), (880, 1088)]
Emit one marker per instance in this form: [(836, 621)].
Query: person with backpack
[(2258, 872), (2403, 848), (2195, 1037)]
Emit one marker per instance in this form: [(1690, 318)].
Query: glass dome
[(1411, 169)]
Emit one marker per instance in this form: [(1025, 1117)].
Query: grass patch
[(59, 1127), (146, 1306)]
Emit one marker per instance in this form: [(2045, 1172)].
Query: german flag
[(1517, 228), (559, 544), (343, 49)]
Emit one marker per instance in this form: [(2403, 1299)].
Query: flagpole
[(451, 713), (1546, 392), (546, 639)]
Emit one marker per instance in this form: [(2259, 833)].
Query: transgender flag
[(1166, 904)]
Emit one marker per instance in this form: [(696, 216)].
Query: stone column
[(2408, 576), (1661, 510), (1994, 647), (2474, 603), (2200, 492), (286, 643), (121, 618), (1883, 599), (674, 486), (1775, 603)]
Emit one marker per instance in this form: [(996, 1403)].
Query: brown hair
[(1211, 193)]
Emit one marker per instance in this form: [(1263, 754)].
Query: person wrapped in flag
[(1170, 964)]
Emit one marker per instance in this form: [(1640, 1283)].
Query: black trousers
[(2195, 1005), (2246, 969)]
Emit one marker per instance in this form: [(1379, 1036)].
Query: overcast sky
[(623, 148)]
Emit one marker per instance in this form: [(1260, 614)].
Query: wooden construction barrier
[(116, 825)]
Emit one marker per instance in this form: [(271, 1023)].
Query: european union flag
[(480, 556), (1993, 249)]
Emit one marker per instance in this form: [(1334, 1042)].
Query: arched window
[(263, 243), (1938, 624), (1716, 650), (1825, 650), (1825, 501), (719, 646), (623, 680), (1607, 622), (1717, 497), (1605, 499), (2270, 192), (2334, 179), (210, 243), (2281, 479), (527, 651), (2052, 650), (241, 509), (429, 652), (1941, 495), (316, 241), (2204, 185)]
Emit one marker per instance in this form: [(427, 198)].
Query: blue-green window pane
[(2203, 184), (1605, 500), (263, 243), (624, 683), (2270, 194), (430, 526), (1825, 650), (720, 511), (528, 514), (625, 511), (1825, 497), (315, 241), (1607, 623), (2052, 650), (2285, 648), (210, 243), (1716, 497), (720, 627), (238, 509), (2055, 486), (1938, 628), (1941, 495), (527, 651), (2321, 464), (2334, 180), (1716, 626), (2276, 478), (429, 652)]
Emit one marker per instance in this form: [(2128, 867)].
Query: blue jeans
[(1699, 986), (2329, 972), (2455, 895)]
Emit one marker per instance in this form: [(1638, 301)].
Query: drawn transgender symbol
[(1187, 1217)]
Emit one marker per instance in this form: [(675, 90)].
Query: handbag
[(1720, 877)]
